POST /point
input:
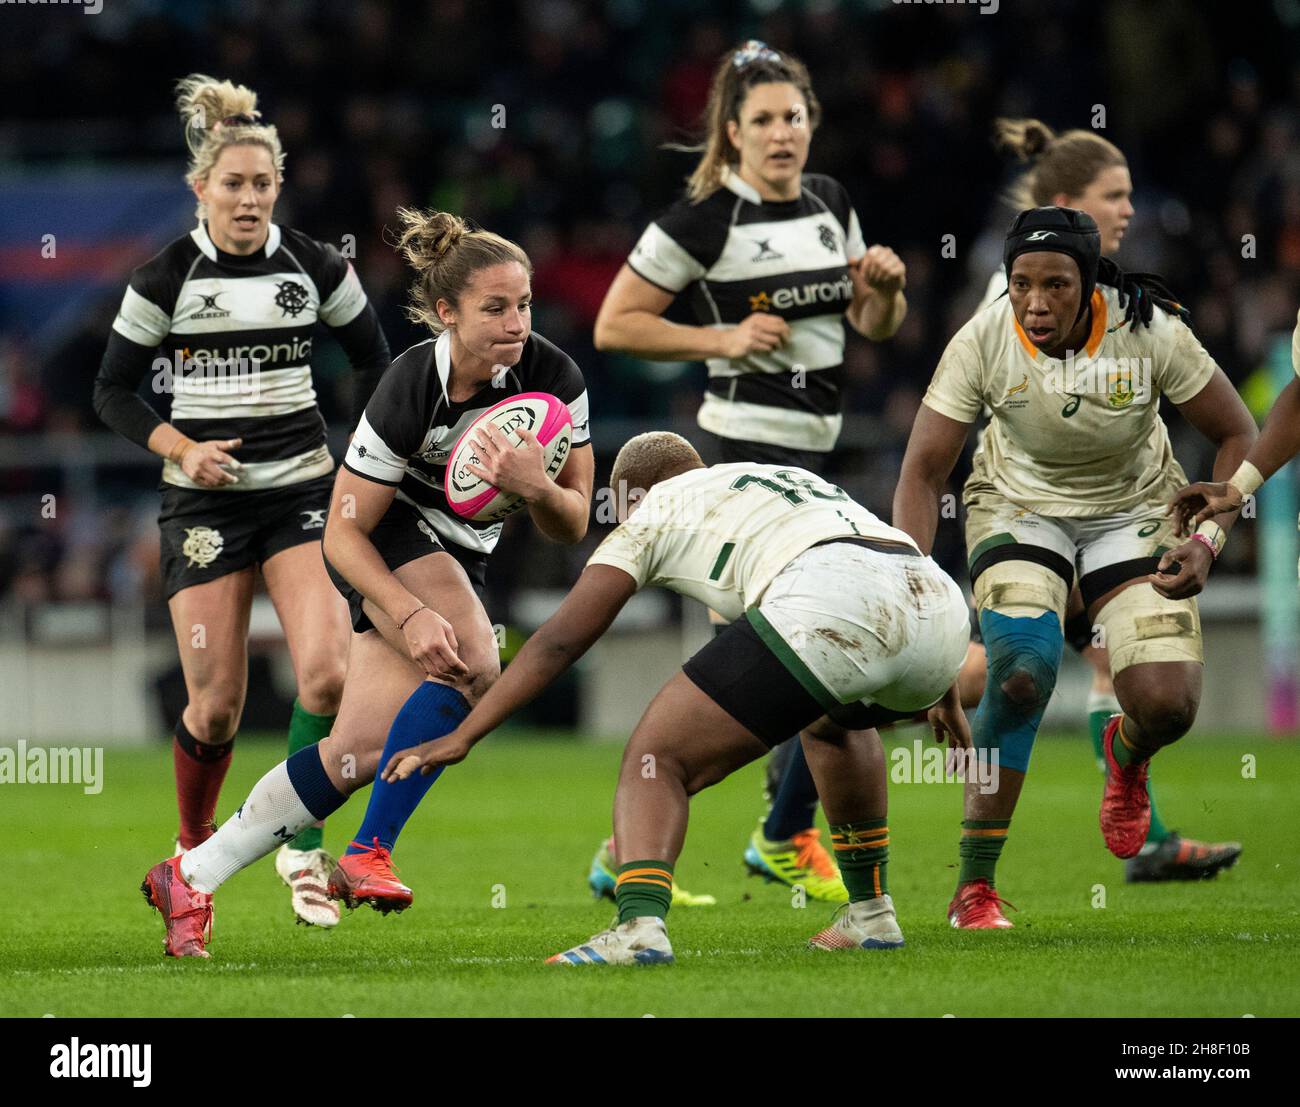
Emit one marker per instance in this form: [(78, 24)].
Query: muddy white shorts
[(859, 625)]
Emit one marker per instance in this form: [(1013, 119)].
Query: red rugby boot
[(1125, 806), (186, 912), (977, 906), (369, 877)]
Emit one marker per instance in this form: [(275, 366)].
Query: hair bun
[(1028, 139), (428, 237)]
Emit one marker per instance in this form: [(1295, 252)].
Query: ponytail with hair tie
[(242, 119)]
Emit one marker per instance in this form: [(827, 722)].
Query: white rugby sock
[(272, 815), (1102, 701)]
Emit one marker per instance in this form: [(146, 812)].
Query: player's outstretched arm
[(1218, 413), (582, 618), (1277, 444), (933, 448)]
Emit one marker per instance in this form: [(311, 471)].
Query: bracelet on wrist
[(422, 607), (1205, 541), (179, 449), (1214, 533)]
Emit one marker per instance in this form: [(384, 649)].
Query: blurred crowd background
[(384, 104)]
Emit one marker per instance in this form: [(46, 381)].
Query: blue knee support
[(1016, 646)]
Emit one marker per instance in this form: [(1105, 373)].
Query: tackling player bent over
[(838, 624)]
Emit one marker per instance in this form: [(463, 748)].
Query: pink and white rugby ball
[(547, 416)]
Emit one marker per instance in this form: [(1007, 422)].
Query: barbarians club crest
[(202, 545), (290, 297)]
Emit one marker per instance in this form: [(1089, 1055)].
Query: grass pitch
[(522, 817)]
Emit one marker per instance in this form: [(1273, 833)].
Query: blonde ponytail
[(218, 114)]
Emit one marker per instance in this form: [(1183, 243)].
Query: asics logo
[(1039, 236)]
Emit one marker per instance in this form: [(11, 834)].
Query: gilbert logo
[(93, 1061), (210, 309)]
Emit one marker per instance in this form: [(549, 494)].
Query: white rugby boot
[(307, 871), (639, 941), (869, 924)]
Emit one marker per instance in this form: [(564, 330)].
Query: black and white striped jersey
[(738, 254), (230, 338), (410, 425)]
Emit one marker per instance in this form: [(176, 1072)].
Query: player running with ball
[(422, 648), (1071, 478), (838, 624)]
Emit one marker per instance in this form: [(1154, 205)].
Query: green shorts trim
[(792, 662)]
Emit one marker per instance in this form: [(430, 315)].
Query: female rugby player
[(423, 649), (838, 625), (1072, 477), (774, 262), (228, 310), (1080, 169)]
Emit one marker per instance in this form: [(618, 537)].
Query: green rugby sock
[(862, 853), (306, 729), (643, 888), (1097, 721), (1101, 706), (1126, 754), (1158, 832), (981, 846)]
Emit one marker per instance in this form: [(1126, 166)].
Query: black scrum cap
[(1061, 231)]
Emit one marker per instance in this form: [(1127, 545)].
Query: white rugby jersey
[(230, 337), (1295, 346), (410, 426), (997, 286), (1081, 437), (719, 535), (737, 254)]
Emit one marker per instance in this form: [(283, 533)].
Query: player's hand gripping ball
[(484, 483)]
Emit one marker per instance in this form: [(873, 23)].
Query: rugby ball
[(547, 416)]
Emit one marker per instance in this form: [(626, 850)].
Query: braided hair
[(1140, 294)]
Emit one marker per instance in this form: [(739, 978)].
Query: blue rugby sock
[(432, 711), (1016, 647), (794, 807)]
